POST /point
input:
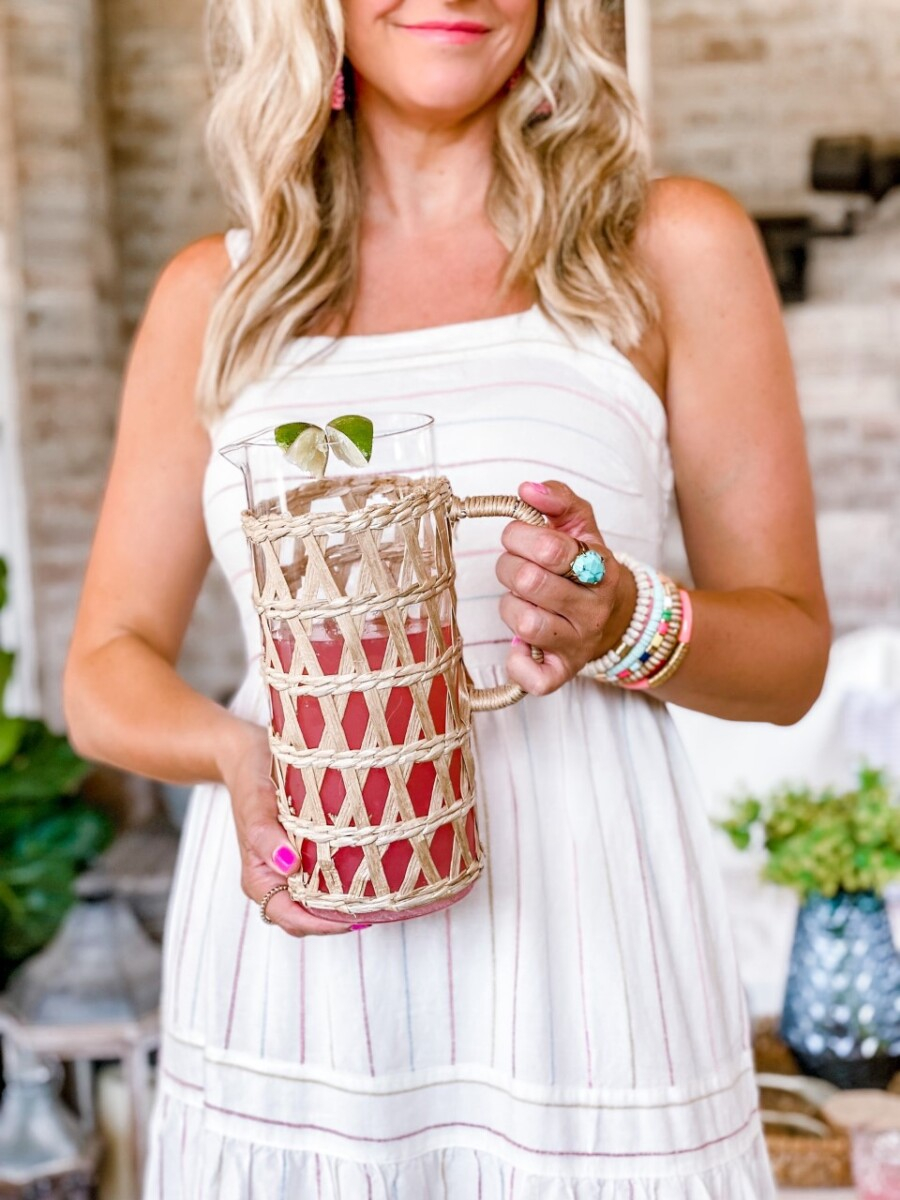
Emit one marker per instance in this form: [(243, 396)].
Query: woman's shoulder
[(201, 265), (692, 227), (177, 312), (699, 242), (691, 203), (190, 282)]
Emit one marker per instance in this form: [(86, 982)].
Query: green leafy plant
[(47, 832), (827, 841)]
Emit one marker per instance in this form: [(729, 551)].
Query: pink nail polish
[(538, 487), (517, 641), (352, 927), (285, 858)]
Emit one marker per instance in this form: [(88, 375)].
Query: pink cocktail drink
[(328, 645), (876, 1163)]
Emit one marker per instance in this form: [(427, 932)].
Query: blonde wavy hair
[(566, 196)]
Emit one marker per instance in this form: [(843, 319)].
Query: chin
[(445, 105)]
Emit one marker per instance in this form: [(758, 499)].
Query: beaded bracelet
[(651, 663), (657, 638), (646, 580), (658, 641), (664, 642), (684, 640), (684, 645), (599, 666), (623, 669)]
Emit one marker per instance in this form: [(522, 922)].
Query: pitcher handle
[(491, 699)]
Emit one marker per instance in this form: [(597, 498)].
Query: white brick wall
[(69, 333), (740, 91)]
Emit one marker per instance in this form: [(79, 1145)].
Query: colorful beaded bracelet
[(646, 580), (665, 673), (656, 641), (622, 669), (659, 641), (664, 641), (612, 659)]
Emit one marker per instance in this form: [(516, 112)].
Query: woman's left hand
[(571, 622)]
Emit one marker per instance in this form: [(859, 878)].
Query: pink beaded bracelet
[(668, 669)]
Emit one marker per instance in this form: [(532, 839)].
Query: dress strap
[(237, 243)]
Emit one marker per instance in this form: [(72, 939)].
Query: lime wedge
[(285, 435), (309, 451), (351, 439)]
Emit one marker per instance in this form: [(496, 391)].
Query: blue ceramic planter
[(841, 1013)]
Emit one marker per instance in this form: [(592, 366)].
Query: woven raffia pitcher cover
[(371, 703)]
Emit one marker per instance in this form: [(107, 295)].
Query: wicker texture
[(388, 552)]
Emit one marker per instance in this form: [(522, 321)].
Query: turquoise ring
[(587, 567)]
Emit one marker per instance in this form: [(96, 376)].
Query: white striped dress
[(576, 1027)]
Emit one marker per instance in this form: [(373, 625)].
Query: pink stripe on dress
[(702, 964), (189, 909), (489, 386), (449, 936), (582, 980), (483, 1128), (302, 1001), (659, 996), (629, 758), (237, 975), (365, 1005), (516, 952), (162, 1145)]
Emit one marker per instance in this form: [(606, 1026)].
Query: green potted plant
[(838, 850), (47, 831)]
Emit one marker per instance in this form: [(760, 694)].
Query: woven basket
[(798, 1160), (803, 1161), (357, 608)]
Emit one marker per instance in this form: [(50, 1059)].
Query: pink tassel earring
[(545, 108), (338, 93), (516, 78)]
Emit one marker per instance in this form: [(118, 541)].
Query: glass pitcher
[(370, 701)]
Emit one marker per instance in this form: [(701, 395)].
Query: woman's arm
[(761, 632), (125, 703), (761, 625)]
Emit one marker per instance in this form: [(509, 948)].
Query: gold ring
[(279, 887)]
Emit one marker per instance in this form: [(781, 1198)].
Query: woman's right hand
[(267, 858)]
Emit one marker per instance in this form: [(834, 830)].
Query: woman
[(457, 192)]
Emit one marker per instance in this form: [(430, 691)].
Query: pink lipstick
[(456, 33)]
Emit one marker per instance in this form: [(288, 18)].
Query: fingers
[(298, 921), (262, 839), (562, 617), (535, 583), (268, 859), (257, 880), (536, 625), (564, 509), (549, 548), (539, 679)]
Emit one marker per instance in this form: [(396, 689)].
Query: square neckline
[(448, 335)]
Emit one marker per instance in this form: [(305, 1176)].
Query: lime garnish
[(286, 434), (309, 451), (307, 446), (351, 439)]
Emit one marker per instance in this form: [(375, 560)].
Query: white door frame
[(17, 626), (640, 61)]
